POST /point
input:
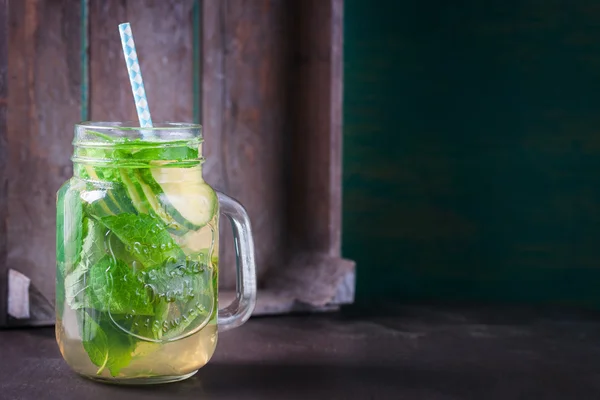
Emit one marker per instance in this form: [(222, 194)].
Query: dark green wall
[(472, 149)]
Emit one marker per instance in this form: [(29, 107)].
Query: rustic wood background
[(3, 154), (315, 112), (264, 78), (43, 104), (163, 31), (245, 92)]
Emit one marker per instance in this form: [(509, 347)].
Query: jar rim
[(112, 143), (108, 133), (134, 125)]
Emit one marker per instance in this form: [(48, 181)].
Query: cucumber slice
[(183, 195), (134, 189), (178, 196), (107, 202), (150, 196), (145, 200)]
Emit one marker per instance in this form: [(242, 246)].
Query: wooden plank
[(244, 106), (163, 32), (314, 188), (44, 95), (3, 159), (110, 96)]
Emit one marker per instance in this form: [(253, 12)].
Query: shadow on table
[(268, 380), (245, 381), (226, 381), (461, 380)]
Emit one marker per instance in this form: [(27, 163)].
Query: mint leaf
[(92, 251), (107, 346), (170, 153), (188, 289), (69, 232), (68, 225), (94, 340), (115, 288), (120, 348), (145, 238), (99, 284), (174, 280)]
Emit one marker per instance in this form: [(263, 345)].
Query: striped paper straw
[(135, 76)]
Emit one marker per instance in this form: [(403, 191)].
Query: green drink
[(137, 255)]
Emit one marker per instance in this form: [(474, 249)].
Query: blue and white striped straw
[(135, 76)]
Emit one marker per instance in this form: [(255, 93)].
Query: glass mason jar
[(137, 255)]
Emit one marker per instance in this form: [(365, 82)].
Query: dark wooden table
[(411, 353)]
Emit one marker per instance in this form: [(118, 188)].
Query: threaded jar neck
[(124, 145)]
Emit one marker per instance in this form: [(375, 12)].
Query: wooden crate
[(265, 79), (3, 158)]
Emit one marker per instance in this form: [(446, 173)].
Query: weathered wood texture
[(43, 104), (245, 63), (3, 158), (271, 73), (163, 36), (272, 118), (314, 189), (314, 276)]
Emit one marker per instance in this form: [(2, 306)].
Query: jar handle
[(241, 308)]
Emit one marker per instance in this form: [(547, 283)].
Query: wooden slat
[(163, 35), (314, 188), (3, 158), (43, 104), (244, 98), (110, 97)]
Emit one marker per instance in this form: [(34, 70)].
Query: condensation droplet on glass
[(137, 247), (163, 246)]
